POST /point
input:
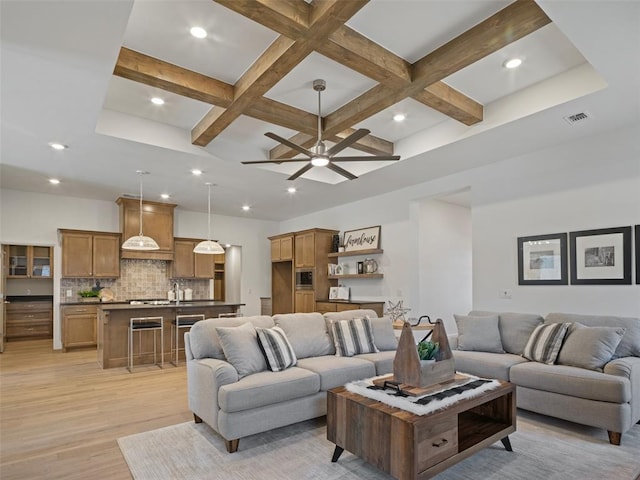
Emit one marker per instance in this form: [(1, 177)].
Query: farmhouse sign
[(362, 239)]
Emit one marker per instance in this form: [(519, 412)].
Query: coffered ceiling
[(83, 74)]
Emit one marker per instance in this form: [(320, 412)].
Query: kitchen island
[(113, 324)]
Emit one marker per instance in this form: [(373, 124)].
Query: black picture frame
[(637, 240), (601, 257), (542, 259)]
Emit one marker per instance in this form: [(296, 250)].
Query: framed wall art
[(601, 257), (637, 238), (542, 260), (362, 239)]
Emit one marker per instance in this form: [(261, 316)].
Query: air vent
[(577, 118), (131, 195)]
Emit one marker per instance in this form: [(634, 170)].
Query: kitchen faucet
[(176, 288)]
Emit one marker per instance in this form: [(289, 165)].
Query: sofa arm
[(453, 341), (204, 379), (628, 367)]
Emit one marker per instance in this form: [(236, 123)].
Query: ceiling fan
[(319, 155)]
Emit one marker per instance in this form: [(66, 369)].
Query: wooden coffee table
[(409, 446)]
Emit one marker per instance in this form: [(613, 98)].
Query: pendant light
[(140, 242), (209, 247)]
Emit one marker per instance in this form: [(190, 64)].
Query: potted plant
[(89, 295), (427, 350)]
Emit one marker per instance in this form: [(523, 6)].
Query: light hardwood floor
[(60, 414)]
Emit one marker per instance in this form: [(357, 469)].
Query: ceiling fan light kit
[(319, 155), (140, 241)]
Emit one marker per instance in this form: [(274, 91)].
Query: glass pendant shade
[(140, 241), (208, 247)]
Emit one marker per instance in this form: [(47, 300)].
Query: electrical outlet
[(505, 294), (68, 292)]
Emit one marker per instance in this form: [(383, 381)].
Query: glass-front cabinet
[(29, 261)]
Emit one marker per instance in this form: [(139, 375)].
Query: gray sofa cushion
[(629, 346), (241, 349), (337, 371), (477, 333), (203, 338), (307, 333), (487, 365), (267, 388), (589, 347), (515, 328), (383, 335), (572, 381), (383, 361)]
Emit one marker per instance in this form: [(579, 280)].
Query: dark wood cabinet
[(29, 320), (87, 254)]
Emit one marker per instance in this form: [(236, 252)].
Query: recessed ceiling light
[(246, 208), (198, 32), (164, 196), (398, 117), (54, 181), (291, 190), (195, 171), (512, 63), (157, 101), (57, 146)]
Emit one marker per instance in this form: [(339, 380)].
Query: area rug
[(544, 449)]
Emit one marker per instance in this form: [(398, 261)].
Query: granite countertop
[(192, 303), (29, 298)]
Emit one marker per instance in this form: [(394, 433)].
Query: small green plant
[(428, 350), (89, 293)]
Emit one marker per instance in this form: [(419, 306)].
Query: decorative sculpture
[(396, 311)]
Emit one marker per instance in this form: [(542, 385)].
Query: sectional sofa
[(594, 379), (231, 389)]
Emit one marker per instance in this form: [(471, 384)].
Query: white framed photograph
[(542, 260), (601, 257)]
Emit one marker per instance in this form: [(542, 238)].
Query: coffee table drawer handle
[(442, 442)]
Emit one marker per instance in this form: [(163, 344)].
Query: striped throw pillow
[(545, 341), (353, 337), (276, 348)]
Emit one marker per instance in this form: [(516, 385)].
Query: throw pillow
[(383, 336), (353, 337), (276, 348), (479, 334), (545, 342), (307, 333), (589, 347), (240, 347)]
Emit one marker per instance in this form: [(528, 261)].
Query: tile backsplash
[(139, 279)]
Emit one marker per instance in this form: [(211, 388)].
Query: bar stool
[(182, 321), (143, 324), (230, 315)]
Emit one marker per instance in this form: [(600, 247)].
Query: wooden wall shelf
[(356, 275), (371, 251)]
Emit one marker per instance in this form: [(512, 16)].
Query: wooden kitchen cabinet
[(79, 326), (29, 320), (29, 261), (282, 248), (87, 254), (157, 223), (187, 264), (305, 250), (305, 301)]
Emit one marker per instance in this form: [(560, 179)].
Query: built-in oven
[(304, 279)]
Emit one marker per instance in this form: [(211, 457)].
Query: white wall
[(29, 218), (593, 183)]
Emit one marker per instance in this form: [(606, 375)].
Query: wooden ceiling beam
[(289, 18), (278, 60), (508, 25), (151, 71)]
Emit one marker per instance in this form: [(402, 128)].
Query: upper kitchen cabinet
[(87, 254), (282, 248), (312, 247), (187, 264), (157, 223), (29, 261)]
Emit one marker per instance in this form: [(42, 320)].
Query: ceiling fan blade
[(353, 138), (289, 144), (341, 171), (371, 158), (303, 170), (283, 160)]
